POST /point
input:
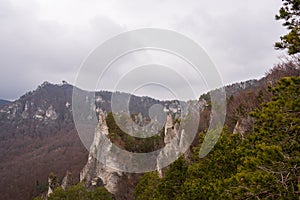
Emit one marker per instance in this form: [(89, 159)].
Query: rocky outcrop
[(97, 173), (174, 139), (179, 134), (170, 136), (53, 183), (67, 181), (170, 132)]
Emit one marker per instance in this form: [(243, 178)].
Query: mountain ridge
[(38, 135)]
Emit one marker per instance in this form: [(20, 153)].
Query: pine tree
[(290, 13)]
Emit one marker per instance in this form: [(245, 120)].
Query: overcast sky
[(47, 40)]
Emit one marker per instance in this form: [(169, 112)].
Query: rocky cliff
[(98, 170), (96, 173)]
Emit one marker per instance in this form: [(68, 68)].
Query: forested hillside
[(264, 165)]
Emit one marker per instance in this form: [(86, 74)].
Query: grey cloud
[(237, 35), (239, 38), (35, 50)]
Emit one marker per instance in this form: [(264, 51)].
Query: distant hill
[(38, 136), (3, 102)]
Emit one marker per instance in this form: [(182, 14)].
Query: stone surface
[(96, 172), (67, 180), (53, 183)]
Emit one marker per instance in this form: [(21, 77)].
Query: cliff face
[(172, 138), (97, 170), (96, 173)]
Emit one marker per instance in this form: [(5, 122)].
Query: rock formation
[(174, 139), (67, 181), (53, 183), (96, 173), (98, 170)]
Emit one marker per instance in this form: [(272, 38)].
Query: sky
[(44, 40)]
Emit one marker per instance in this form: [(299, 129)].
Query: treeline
[(79, 191)]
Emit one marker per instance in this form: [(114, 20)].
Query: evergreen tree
[(290, 13), (270, 168), (79, 192)]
